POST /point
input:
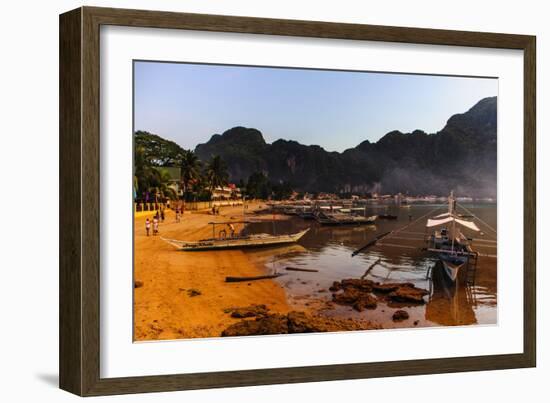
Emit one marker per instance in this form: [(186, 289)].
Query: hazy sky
[(188, 103)]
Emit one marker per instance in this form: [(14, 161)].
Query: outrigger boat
[(450, 244), (324, 218), (232, 241)]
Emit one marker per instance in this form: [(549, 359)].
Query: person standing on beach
[(155, 226), (177, 215), (162, 215), (147, 226)]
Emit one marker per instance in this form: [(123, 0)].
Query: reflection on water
[(328, 250)]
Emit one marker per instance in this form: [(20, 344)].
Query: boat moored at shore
[(223, 241)]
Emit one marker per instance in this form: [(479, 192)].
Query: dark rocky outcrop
[(299, 322), (248, 312), (408, 294), (389, 287), (400, 315), (193, 292), (293, 322), (270, 324), (360, 293), (359, 299)]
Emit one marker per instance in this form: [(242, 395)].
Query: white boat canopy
[(435, 222)]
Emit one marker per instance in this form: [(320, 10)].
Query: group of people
[(158, 218), (155, 225)]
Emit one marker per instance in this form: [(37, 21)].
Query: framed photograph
[(248, 201)]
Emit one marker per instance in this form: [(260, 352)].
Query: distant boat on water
[(307, 215), (325, 218)]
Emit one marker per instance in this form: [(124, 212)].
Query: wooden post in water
[(370, 268)]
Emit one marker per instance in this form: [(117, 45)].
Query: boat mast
[(452, 213)]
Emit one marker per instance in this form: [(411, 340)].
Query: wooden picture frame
[(79, 200)]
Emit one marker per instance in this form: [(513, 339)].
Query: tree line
[(197, 179)]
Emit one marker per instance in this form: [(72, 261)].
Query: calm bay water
[(328, 250)]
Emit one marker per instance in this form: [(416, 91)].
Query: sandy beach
[(183, 294)]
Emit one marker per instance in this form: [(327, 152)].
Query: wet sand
[(165, 306)]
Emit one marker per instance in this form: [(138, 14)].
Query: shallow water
[(328, 250)]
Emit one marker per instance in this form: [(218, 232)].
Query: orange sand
[(163, 308)]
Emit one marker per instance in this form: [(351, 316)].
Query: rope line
[(476, 217), (415, 221)]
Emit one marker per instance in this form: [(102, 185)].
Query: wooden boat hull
[(253, 241), (452, 265)]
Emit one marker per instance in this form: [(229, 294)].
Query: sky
[(188, 103)]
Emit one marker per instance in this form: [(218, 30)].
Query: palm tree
[(216, 173), (190, 170), (163, 187), (201, 189), (145, 176), (155, 183)]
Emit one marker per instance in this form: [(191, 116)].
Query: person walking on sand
[(232, 230), (155, 226), (147, 226), (177, 215), (162, 215)]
